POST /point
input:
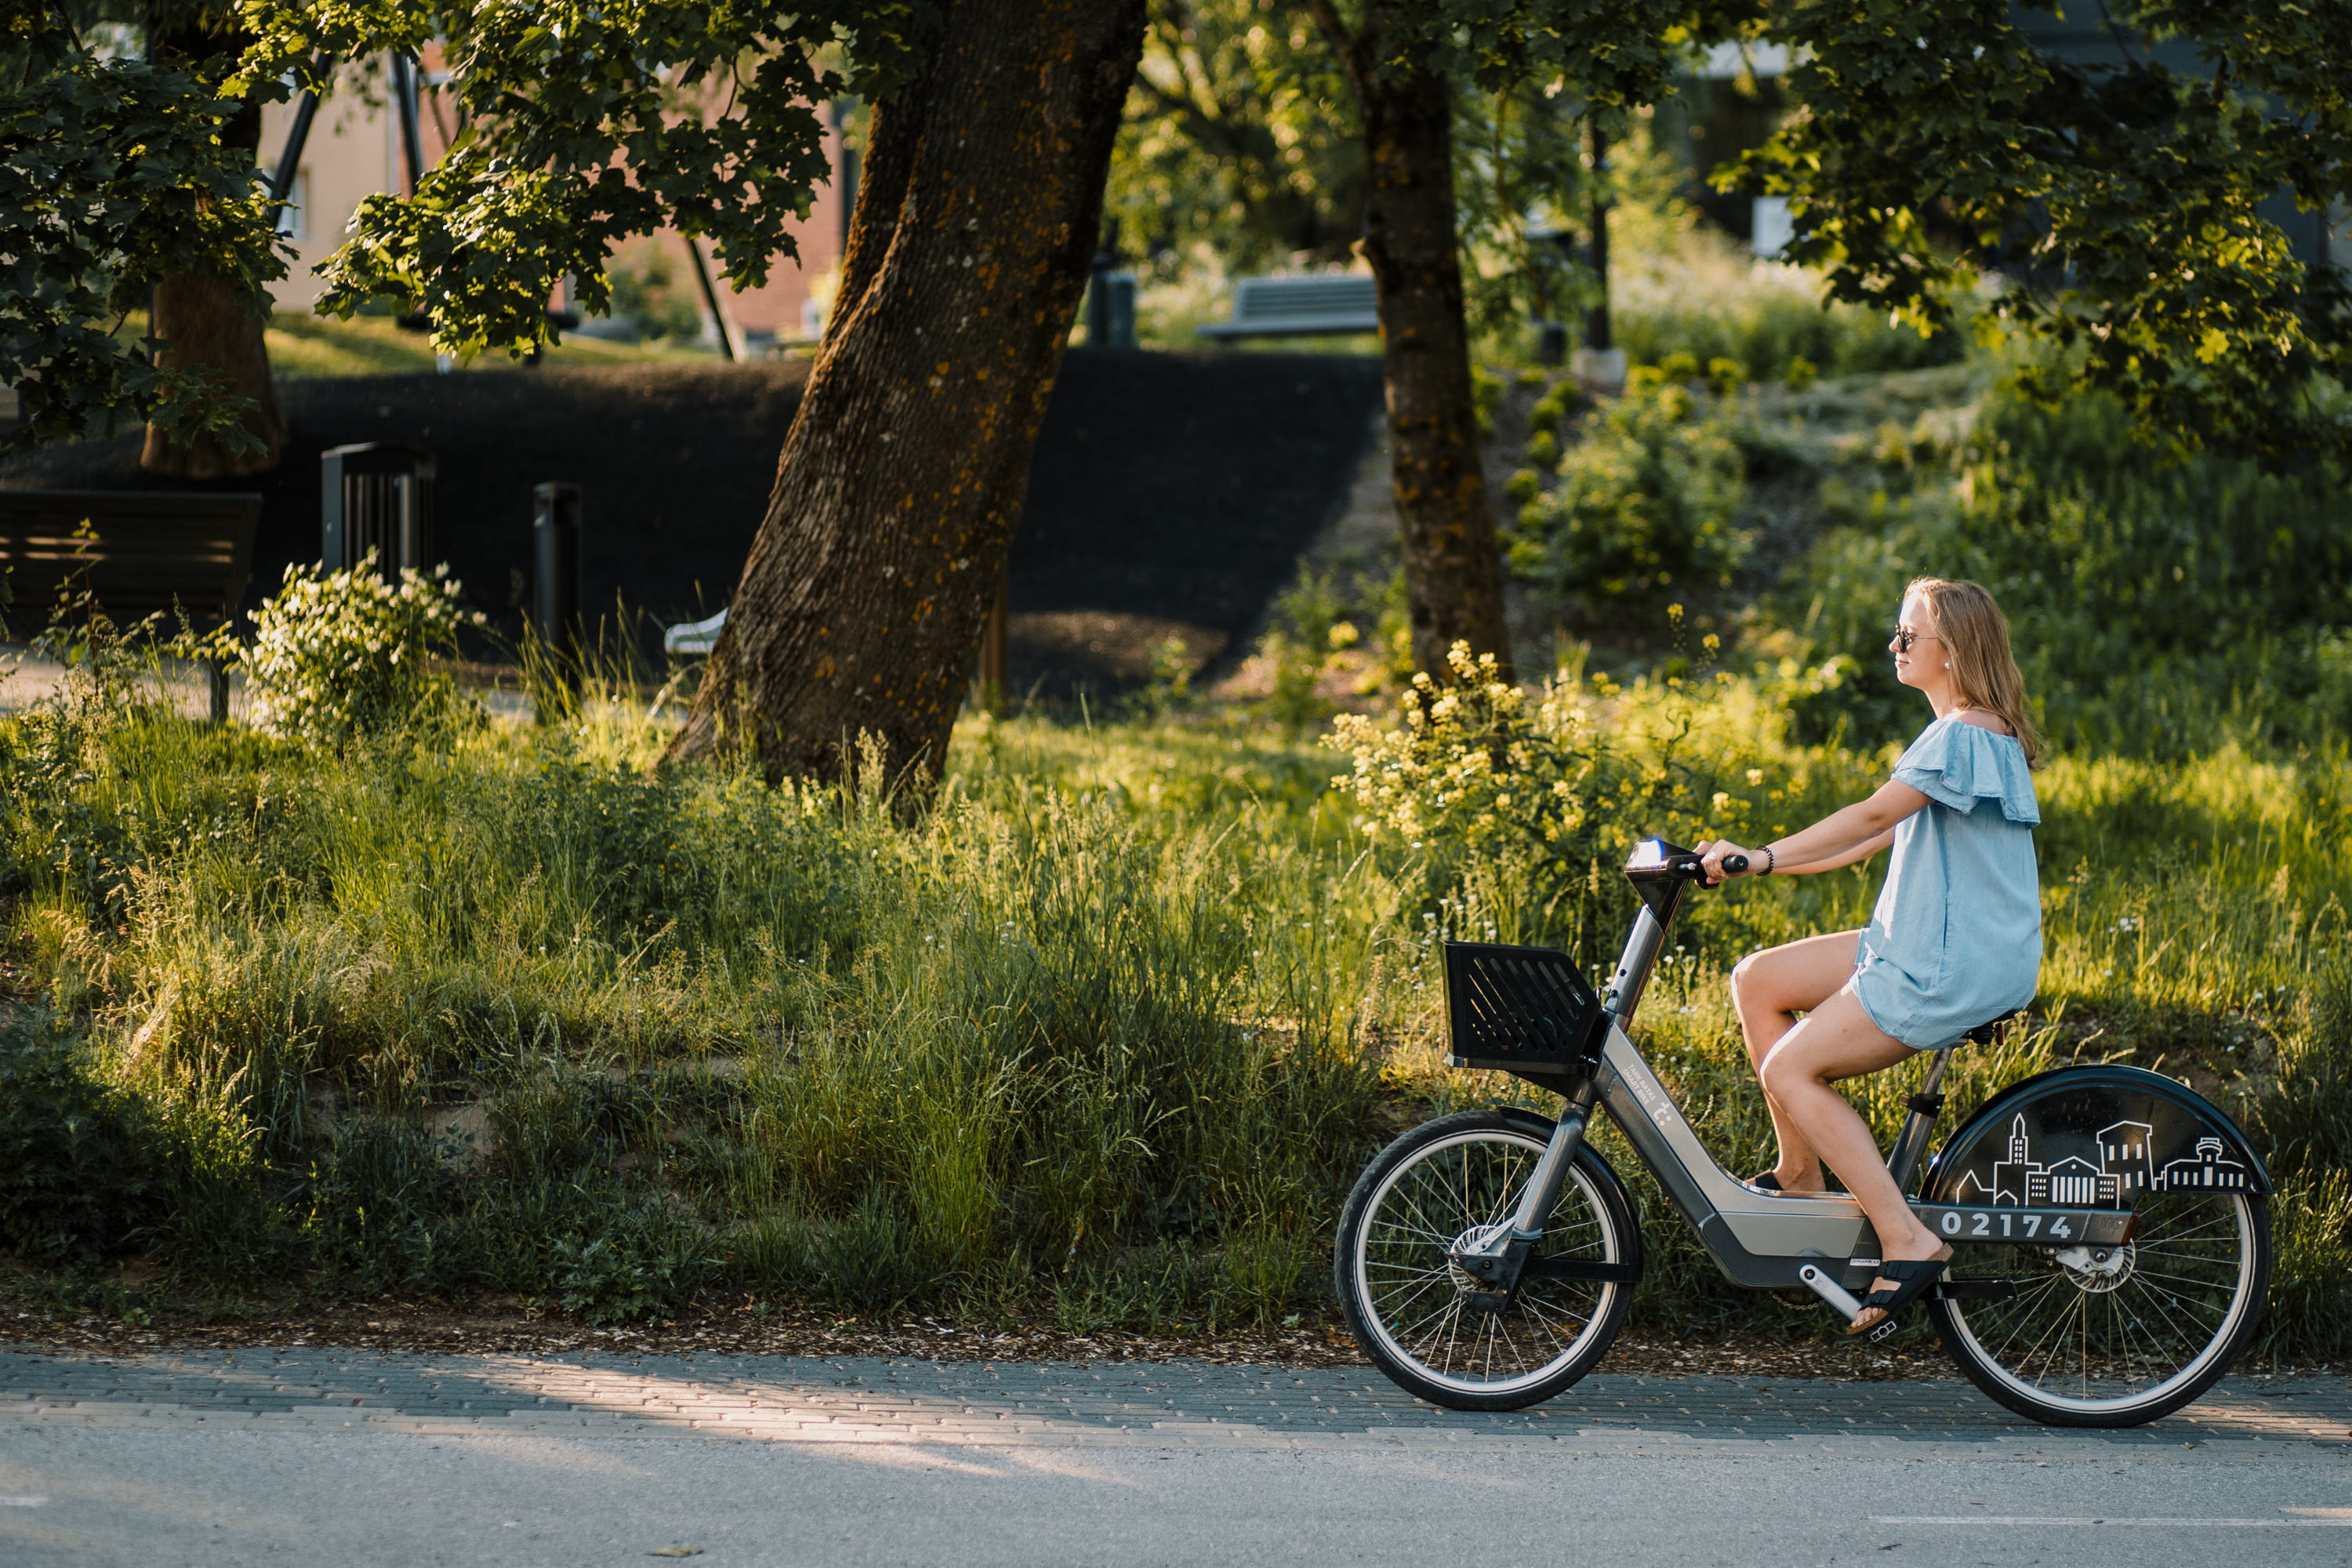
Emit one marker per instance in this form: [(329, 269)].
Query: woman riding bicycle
[(1954, 940)]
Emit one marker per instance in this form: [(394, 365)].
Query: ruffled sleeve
[(1956, 763)]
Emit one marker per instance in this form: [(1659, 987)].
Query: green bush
[(2158, 608), (1767, 331), (1523, 803), (1648, 502), (648, 296), (341, 655), (1105, 1035), (81, 1165)]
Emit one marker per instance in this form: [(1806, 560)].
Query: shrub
[(1648, 500), (1767, 323), (81, 1170), (647, 296), (2158, 609), (1527, 803), (340, 656)]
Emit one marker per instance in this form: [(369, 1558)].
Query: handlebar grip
[(1737, 864)]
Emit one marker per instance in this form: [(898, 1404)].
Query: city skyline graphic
[(2124, 1168)]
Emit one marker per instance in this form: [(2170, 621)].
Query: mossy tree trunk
[(861, 607), (1453, 579)]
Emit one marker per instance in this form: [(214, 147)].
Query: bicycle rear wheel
[(2116, 1336), (1415, 1315)]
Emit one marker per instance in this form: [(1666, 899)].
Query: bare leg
[(1838, 1040), (1769, 989)]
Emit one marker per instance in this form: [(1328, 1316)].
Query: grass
[(1104, 1036), (306, 347)]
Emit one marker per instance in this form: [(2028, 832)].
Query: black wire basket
[(1519, 1010)]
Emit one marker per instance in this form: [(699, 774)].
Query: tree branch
[(1351, 51)]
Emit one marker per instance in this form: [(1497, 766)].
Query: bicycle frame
[(1817, 1241)]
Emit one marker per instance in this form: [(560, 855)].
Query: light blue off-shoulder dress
[(1956, 937)]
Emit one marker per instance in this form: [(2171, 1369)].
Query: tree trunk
[(204, 321), (1453, 577), (207, 324), (902, 478)]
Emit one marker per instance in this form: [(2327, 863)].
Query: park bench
[(153, 550), (1299, 306)]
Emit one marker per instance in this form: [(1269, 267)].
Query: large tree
[(1404, 62), (861, 607), (903, 477), (118, 176), (208, 321)]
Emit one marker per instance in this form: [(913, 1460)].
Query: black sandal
[(1913, 1277)]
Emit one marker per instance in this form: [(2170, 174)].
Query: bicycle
[(2111, 1229)]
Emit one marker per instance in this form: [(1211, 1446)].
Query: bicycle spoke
[(1417, 1303), (2116, 1343)]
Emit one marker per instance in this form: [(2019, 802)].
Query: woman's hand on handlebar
[(1714, 855)]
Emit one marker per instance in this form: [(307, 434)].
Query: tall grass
[(1710, 302), (1105, 1035), (719, 1031)]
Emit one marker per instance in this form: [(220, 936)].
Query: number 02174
[(2046, 1228)]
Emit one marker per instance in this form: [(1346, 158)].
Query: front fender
[(2094, 1137), (1598, 1167)]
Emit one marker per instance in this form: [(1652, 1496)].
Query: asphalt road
[(327, 1455)]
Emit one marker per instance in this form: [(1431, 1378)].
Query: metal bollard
[(555, 535), (1111, 310)]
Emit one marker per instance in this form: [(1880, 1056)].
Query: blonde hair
[(1976, 637)]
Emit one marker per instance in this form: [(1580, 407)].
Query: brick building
[(353, 150)]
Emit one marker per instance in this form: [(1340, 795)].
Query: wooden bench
[(154, 550), (1322, 306)]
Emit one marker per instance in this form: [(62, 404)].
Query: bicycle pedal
[(1882, 1331)]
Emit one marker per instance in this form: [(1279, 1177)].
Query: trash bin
[(376, 496)]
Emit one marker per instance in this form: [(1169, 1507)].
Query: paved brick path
[(1164, 1405)]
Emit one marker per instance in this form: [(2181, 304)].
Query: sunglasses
[(1903, 638)]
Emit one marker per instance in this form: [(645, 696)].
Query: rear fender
[(2094, 1137)]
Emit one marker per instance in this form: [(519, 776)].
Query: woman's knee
[(1781, 1070)]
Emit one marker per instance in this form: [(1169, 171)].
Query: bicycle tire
[(2123, 1340), (1412, 1314)]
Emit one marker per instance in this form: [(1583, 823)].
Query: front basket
[(1520, 1009)]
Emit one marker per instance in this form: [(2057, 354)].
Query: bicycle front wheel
[(2116, 1336), (1426, 1325)]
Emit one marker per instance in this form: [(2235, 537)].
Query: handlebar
[(1654, 860)]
